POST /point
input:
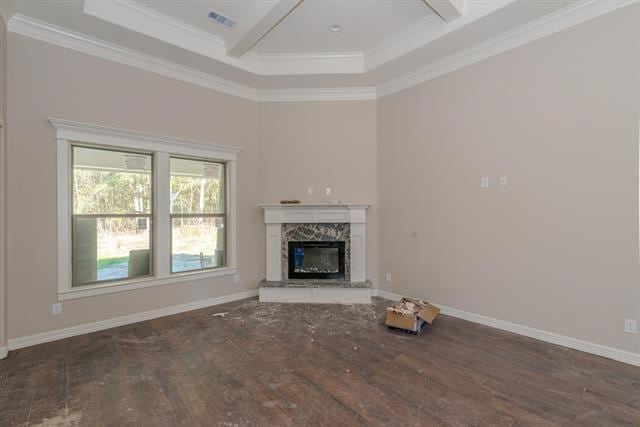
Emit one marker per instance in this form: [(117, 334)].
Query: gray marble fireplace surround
[(319, 233)]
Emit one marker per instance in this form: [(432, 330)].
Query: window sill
[(129, 285)]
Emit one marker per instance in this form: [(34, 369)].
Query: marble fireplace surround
[(320, 222), (315, 233)]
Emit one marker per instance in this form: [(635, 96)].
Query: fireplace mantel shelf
[(315, 205)]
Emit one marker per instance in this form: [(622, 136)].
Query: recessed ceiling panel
[(363, 24)]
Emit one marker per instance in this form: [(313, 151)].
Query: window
[(112, 213), (197, 215), (137, 210)]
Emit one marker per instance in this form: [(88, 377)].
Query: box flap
[(429, 313)]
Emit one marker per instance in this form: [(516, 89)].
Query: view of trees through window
[(197, 215), (112, 212)]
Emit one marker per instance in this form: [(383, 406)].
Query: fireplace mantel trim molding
[(326, 213)]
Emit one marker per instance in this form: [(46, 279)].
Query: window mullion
[(161, 214)]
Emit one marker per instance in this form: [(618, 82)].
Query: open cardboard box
[(411, 314)]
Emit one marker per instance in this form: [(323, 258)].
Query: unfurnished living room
[(319, 212)]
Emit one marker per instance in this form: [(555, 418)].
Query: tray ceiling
[(287, 44)]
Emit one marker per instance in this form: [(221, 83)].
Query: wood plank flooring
[(299, 364)]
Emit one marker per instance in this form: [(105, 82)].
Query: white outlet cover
[(310, 191), (56, 308), (484, 182), (236, 278), (630, 326), (504, 181), (388, 277), (328, 191)]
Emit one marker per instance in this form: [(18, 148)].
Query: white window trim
[(68, 132)]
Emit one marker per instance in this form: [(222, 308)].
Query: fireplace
[(316, 260)]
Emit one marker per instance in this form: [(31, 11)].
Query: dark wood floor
[(294, 364)]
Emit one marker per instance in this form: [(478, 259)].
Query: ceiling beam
[(264, 17), (447, 9)]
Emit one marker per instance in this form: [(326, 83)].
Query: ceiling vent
[(225, 21)]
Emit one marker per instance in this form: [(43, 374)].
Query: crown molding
[(318, 94), (39, 30), (570, 16)]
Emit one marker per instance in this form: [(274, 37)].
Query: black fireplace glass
[(317, 260)]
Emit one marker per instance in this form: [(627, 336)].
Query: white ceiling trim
[(141, 19), (332, 94), (39, 30), (539, 28), (266, 16), (425, 31)]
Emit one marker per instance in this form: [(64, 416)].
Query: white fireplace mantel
[(326, 213)]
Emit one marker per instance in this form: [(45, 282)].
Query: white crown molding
[(87, 328), (546, 336), (39, 30), (330, 94), (570, 16)]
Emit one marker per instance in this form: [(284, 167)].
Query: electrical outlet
[(484, 182), (328, 191), (310, 191), (504, 181), (236, 278), (56, 308), (630, 326), (388, 277)]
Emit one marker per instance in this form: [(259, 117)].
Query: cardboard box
[(410, 315)]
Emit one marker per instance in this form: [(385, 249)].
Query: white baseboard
[(316, 295), (4, 352), (87, 328), (550, 337)]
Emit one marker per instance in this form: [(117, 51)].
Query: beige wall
[(48, 81), (558, 248), (320, 145), (3, 124)]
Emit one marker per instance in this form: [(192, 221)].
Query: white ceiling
[(383, 42)]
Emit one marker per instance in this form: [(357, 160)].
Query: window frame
[(150, 215), (69, 133), (224, 215)]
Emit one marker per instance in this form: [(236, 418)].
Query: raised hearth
[(316, 253)]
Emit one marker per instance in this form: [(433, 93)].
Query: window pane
[(196, 186), (110, 248), (197, 243), (111, 182)]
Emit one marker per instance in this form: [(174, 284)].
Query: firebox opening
[(317, 260)]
